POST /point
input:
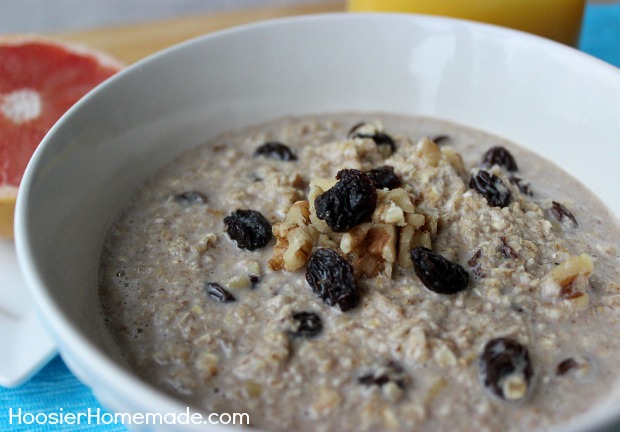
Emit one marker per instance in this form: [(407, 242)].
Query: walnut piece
[(372, 247), (569, 281), (294, 239), (429, 151)]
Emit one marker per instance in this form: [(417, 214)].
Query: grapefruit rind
[(8, 193), (102, 57)]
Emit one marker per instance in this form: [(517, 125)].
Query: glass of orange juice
[(559, 20)]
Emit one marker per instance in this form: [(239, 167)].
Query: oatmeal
[(394, 274)]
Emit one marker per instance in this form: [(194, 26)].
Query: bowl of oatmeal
[(339, 222)]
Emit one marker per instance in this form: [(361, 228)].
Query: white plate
[(26, 345)]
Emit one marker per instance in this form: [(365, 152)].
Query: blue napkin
[(55, 390), (49, 395), (600, 34)]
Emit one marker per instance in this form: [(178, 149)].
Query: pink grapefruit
[(40, 79)]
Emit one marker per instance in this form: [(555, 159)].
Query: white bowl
[(545, 96)]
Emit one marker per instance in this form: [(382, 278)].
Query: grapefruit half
[(40, 79)]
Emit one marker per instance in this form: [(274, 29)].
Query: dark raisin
[(218, 293), (354, 129), (491, 187), (351, 201), (565, 366), (275, 150), (383, 139), (254, 281), (503, 359), (331, 277), (380, 138), (190, 198), (561, 213), (437, 273), (248, 228), (508, 251), (371, 379), (525, 188), (440, 139), (384, 177), (309, 324), (392, 372), (499, 156)]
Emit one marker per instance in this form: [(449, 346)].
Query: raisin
[(248, 228), (189, 198), (309, 324), (219, 293), (491, 187), (384, 177), (560, 213), (499, 156), (354, 128), (565, 366), (275, 150), (440, 139), (392, 372), (331, 277), (351, 201), (380, 138), (254, 281), (437, 273), (505, 368)]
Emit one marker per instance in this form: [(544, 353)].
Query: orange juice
[(559, 20)]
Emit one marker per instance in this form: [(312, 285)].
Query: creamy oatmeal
[(394, 274)]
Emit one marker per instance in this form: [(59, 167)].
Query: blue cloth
[(55, 388), (600, 34)]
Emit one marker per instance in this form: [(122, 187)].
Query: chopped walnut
[(429, 151), (455, 159), (294, 239), (569, 281), (416, 233), (372, 247), (392, 205)]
